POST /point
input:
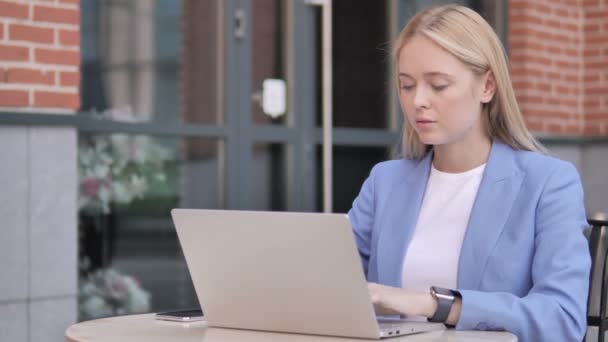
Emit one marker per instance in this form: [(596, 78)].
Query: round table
[(138, 328)]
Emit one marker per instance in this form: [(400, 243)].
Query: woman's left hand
[(389, 300)]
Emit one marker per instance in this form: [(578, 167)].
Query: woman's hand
[(389, 300)]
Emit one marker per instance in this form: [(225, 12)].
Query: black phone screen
[(182, 313)]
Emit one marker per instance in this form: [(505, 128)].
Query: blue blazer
[(524, 264)]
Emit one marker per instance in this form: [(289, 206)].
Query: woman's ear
[(489, 87)]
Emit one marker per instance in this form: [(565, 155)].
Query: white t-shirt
[(434, 250)]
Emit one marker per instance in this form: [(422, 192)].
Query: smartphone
[(181, 315)]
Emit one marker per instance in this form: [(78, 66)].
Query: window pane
[(134, 54), (129, 255), (269, 174), (360, 64), (351, 166)]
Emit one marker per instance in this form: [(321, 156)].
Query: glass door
[(280, 92)]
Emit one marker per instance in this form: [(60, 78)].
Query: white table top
[(145, 328)]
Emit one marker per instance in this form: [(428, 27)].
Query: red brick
[(597, 116), (591, 78), (522, 70), (519, 32), (552, 75), (70, 2), (568, 27), (596, 38), (555, 24), (534, 126), (540, 34), (591, 103), (518, 5), (50, 99), (69, 79), (553, 101), (603, 64), (29, 76), (30, 33), (526, 18), (530, 98), (69, 37), (516, 45), (543, 86), (566, 65), (571, 103), (592, 28), (592, 130), (56, 15), (554, 128), (1, 30), (14, 98), (597, 14), (572, 129), (14, 10), (1, 75), (560, 12), (597, 91), (554, 49), (522, 85), (538, 59), (531, 45), (563, 37), (572, 52), (546, 114), (591, 52), (14, 53), (543, 9), (63, 57)]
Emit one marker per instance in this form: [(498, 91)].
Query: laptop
[(282, 272)]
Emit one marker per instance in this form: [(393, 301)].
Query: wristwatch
[(445, 298)]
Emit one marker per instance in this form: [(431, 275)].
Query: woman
[(475, 209)]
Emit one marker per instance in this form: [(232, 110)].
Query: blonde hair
[(468, 37)]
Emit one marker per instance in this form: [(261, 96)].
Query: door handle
[(240, 23)]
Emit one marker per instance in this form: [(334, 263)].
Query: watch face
[(441, 291)]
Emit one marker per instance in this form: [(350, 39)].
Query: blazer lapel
[(400, 220), (497, 192)]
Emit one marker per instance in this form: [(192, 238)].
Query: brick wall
[(595, 74), (39, 54), (559, 61)]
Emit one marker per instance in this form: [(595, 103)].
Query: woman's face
[(440, 96)]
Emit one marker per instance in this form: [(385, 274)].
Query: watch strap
[(444, 305)]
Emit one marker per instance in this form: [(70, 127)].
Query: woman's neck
[(461, 156)]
